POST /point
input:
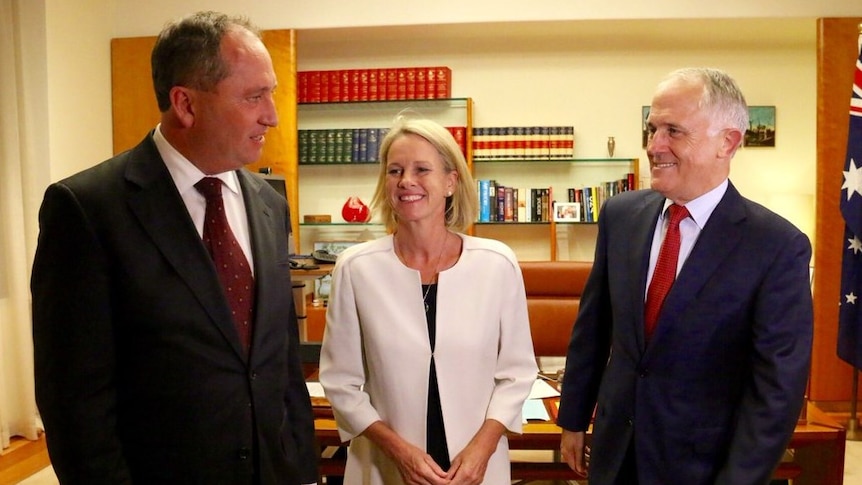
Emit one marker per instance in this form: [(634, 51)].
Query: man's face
[(231, 120), (686, 147)]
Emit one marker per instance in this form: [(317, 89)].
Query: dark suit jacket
[(140, 376), (715, 395)]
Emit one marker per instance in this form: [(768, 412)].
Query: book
[(373, 144), (484, 200), (373, 84), (362, 143), (443, 82), (501, 203)]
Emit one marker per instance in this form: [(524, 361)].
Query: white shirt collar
[(183, 171), (701, 208)]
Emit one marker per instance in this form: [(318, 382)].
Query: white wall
[(594, 74), (143, 18), (79, 83)]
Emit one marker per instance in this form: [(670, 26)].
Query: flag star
[(853, 179), (851, 298), (855, 245)]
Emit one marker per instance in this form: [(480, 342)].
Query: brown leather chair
[(554, 291)]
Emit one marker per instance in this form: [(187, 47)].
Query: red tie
[(230, 262), (665, 269)]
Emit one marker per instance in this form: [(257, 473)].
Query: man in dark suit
[(141, 373), (712, 393)]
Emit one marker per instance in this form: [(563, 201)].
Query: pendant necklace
[(436, 272), (436, 269)]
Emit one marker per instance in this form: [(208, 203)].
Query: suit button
[(253, 375), (243, 453), (643, 372), (630, 422)]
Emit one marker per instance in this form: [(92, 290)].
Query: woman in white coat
[(427, 357)]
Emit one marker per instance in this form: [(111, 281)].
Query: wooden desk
[(817, 449)]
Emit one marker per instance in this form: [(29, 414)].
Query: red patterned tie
[(230, 262), (665, 269)]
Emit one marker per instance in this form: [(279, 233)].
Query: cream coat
[(376, 352)]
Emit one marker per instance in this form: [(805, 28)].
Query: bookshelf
[(567, 240), (325, 185)]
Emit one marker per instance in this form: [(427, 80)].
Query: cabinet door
[(325, 183), (135, 111)]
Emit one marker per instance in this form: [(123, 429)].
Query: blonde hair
[(462, 207)]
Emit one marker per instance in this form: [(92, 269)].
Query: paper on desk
[(541, 390), (535, 409), (314, 389)]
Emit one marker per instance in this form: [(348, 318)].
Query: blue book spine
[(484, 200), (373, 144)]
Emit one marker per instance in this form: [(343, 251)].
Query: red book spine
[(314, 87), (402, 82), (391, 83), (334, 86), (344, 75), (459, 133), (444, 82), (421, 83), (430, 83), (410, 83), (302, 87), (324, 86), (373, 84), (355, 83)]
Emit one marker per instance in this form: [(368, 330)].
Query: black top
[(435, 442)]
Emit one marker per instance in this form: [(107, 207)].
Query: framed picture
[(644, 132), (567, 211), (761, 127)]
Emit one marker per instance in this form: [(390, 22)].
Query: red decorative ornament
[(355, 210)]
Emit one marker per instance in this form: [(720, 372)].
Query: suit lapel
[(263, 249), (639, 242), (164, 217)]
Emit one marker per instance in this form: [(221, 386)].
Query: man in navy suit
[(713, 394), (141, 373)]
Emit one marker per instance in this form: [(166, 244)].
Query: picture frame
[(567, 212), (644, 131), (761, 127)]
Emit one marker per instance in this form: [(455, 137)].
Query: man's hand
[(573, 451)]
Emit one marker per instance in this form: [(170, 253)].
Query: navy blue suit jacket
[(714, 397), (140, 375)]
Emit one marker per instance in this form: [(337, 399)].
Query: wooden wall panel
[(133, 100), (280, 152), (831, 378)]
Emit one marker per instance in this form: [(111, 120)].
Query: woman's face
[(417, 182)]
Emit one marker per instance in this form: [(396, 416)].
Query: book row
[(500, 203), (587, 201), (351, 145), (523, 142), (374, 84), (339, 145)]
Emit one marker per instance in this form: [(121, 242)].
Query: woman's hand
[(468, 467), (415, 466)]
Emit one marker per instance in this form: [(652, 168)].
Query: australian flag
[(850, 314)]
